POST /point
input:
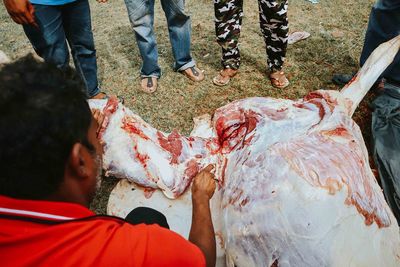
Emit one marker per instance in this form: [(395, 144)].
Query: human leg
[(179, 28), (274, 27), (228, 23), (78, 30), (141, 16), (48, 40), (383, 25)]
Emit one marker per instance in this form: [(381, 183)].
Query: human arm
[(202, 229), (21, 11)]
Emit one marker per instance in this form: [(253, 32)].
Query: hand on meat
[(204, 184), (202, 229)]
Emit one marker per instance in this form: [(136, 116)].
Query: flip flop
[(106, 96), (148, 84), (279, 80), (193, 74), (223, 77), (294, 37)]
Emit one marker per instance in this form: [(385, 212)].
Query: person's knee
[(139, 13), (175, 11), (56, 54), (83, 50)]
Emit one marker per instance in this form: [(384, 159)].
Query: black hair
[(43, 113)]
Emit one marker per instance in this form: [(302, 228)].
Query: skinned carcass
[(295, 186)]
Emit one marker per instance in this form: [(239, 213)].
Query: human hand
[(21, 11), (203, 186)]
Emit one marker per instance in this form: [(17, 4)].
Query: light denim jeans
[(383, 25), (60, 24), (141, 16)]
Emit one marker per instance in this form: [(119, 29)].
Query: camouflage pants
[(273, 24)]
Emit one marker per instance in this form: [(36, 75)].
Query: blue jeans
[(383, 25), (61, 24), (141, 16)]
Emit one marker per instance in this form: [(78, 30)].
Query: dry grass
[(337, 30)]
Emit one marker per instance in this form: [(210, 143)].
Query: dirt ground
[(337, 30)]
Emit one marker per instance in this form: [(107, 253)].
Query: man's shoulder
[(100, 240), (151, 244), (112, 228)]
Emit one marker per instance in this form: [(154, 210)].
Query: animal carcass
[(295, 185)]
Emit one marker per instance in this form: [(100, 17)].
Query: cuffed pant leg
[(141, 16), (179, 27)]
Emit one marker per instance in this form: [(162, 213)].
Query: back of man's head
[(43, 112)]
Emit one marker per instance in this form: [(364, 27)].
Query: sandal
[(342, 79), (194, 74), (278, 79), (224, 76), (103, 95), (149, 84), (295, 37)]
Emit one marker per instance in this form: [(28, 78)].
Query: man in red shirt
[(50, 161)]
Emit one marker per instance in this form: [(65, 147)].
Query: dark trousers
[(383, 25), (59, 25), (147, 216)]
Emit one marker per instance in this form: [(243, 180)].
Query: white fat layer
[(296, 189), (266, 209)]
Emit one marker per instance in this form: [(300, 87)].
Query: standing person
[(141, 16), (274, 27), (50, 159), (383, 25), (50, 25)]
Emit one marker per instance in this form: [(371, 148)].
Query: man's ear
[(78, 161)]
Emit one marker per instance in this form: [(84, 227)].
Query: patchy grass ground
[(337, 30)]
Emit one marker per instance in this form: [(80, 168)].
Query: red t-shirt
[(45, 233)]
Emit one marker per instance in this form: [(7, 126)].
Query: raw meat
[(295, 185)]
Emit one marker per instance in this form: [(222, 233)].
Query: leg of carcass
[(377, 62)]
